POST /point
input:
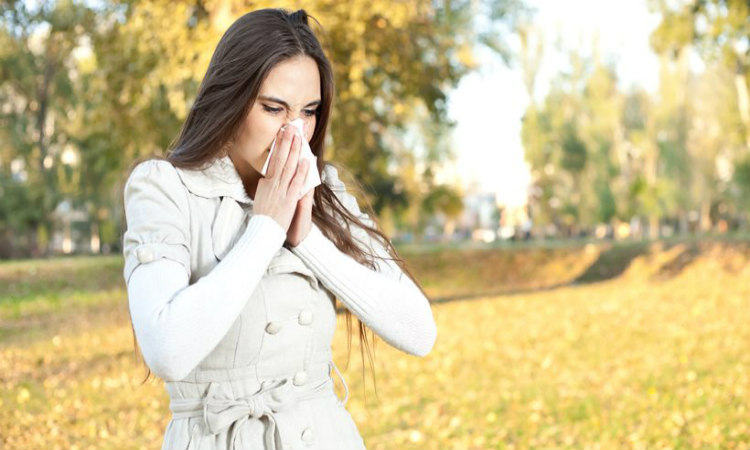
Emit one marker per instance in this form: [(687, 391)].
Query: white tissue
[(313, 178)]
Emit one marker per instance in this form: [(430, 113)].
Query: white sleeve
[(178, 324), (386, 299)]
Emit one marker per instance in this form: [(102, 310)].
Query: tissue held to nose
[(313, 177)]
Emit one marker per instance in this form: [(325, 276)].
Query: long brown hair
[(252, 46)]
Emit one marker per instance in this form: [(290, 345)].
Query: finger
[(308, 199), (286, 172), (271, 169), (281, 150), (308, 196), (295, 187), (291, 165), (273, 163)]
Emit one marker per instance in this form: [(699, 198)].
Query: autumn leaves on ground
[(637, 346)]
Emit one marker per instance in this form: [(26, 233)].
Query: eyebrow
[(282, 102)]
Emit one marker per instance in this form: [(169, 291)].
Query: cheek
[(260, 134)]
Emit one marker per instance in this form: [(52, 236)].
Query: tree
[(115, 80), (720, 30), (391, 60), (37, 93), (572, 142)]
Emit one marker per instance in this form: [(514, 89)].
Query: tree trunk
[(7, 249), (684, 225), (448, 229), (743, 102), (653, 226), (705, 218), (33, 249)]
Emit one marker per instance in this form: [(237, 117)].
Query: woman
[(232, 275)]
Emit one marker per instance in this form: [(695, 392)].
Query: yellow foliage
[(574, 367)]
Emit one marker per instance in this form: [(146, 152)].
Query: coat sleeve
[(176, 323), (384, 299), (156, 212)]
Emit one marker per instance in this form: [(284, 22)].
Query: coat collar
[(221, 179), (218, 179)]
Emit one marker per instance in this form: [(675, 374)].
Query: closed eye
[(271, 109), (311, 112)]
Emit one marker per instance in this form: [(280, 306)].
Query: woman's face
[(290, 91)]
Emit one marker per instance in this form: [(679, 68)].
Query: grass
[(639, 346)]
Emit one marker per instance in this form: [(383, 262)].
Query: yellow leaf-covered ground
[(652, 354)]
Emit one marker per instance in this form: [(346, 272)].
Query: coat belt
[(220, 413)]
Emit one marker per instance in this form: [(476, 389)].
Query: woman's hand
[(277, 194), (302, 221)]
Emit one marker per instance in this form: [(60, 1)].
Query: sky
[(488, 105)]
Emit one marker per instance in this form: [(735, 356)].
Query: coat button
[(273, 327), (145, 255), (300, 378), (308, 435), (305, 317)]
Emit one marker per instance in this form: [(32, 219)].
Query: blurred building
[(479, 220), (74, 231)]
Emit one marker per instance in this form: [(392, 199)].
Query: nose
[(307, 124)]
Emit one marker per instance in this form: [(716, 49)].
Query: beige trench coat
[(269, 382)]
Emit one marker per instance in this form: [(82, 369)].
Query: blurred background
[(570, 181)]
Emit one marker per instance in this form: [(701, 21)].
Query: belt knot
[(221, 413)]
